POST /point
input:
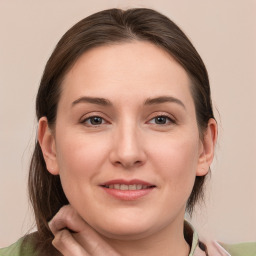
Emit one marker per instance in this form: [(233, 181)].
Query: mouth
[(127, 190), (128, 187)]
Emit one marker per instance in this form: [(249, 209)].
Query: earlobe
[(47, 143), (208, 147)]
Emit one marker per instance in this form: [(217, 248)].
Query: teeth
[(124, 187), (127, 187), (116, 186), (132, 187), (139, 186)]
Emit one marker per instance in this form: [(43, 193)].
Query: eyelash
[(84, 121), (168, 119)]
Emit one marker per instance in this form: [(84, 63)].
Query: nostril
[(138, 163), (128, 164), (118, 163)]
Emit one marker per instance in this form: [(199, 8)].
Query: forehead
[(137, 68)]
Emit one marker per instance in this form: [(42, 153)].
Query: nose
[(128, 148)]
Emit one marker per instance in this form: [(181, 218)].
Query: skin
[(129, 143)]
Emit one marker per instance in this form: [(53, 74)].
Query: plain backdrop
[(224, 33)]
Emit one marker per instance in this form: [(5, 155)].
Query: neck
[(169, 241)]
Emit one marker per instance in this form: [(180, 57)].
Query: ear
[(207, 148), (47, 143)]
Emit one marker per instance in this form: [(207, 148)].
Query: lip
[(127, 195), (127, 182)]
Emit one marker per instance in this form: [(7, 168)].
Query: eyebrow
[(164, 99), (92, 100), (149, 101)]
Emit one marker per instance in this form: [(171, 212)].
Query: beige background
[(223, 31)]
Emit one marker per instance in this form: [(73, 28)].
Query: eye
[(94, 121), (161, 120)]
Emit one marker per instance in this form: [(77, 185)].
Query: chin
[(125, 235), (125, 230)]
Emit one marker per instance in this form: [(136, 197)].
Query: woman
[(126, 136)]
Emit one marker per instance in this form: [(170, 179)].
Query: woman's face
[(126, 143)]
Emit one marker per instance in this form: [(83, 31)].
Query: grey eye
[(95, 120), (161, 119)]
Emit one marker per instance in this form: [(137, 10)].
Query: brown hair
[(109, 27)]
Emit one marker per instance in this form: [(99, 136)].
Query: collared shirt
[(214, 248), (198, 248)]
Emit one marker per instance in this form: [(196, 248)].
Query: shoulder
[(221, 249), (30, 245), (248, 249), (24, 246)]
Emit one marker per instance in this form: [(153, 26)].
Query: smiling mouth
[(128, 190), (124, 187)]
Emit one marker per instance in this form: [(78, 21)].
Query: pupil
[(161, 120), (96, 120)]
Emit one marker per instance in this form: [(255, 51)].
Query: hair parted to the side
[(102, 28)]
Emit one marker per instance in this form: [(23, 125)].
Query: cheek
[(176, 161), (79, 159), (180, 153)]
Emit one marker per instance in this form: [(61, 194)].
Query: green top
[(18, 249), (245, 249)]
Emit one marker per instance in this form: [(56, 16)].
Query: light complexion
[(126, 119)]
